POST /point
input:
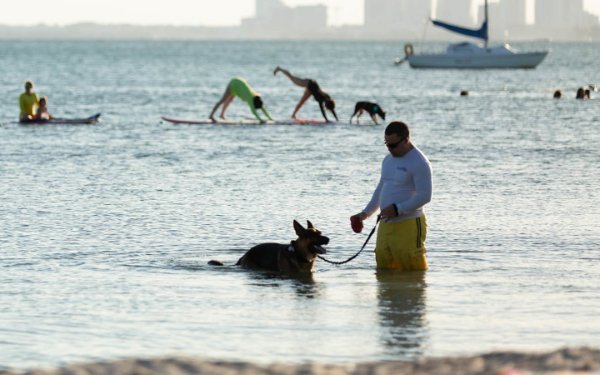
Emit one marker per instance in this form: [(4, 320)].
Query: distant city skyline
[(186, 12)]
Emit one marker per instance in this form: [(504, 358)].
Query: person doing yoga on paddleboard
[(311, 87), (240, 88)]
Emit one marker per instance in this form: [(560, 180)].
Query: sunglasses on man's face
[(392, 146)]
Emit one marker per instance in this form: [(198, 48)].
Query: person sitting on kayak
[(28, 102), (42, 111), (240, 88), (311, 87)]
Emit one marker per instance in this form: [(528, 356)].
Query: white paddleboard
[(297, 121), (179, 120)]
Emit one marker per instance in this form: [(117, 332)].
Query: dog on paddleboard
[(297, 257), (373, 109)]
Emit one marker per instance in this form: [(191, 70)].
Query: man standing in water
[(28, 102), (404, 188)]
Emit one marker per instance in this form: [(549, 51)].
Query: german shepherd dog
[(371, 108), (298, 257)]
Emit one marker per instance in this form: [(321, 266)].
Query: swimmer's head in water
[(258, 103)]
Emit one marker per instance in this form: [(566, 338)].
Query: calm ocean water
[(106, 230)]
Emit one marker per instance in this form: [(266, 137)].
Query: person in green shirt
[(28, 102), (240, 88)]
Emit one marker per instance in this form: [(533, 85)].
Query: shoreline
[(564, 361)]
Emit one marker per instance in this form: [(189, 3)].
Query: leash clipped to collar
[(359, 251)]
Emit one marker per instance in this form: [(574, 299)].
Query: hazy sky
[(175, 12)]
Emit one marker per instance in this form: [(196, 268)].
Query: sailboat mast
[(481, 33), (486, 22)]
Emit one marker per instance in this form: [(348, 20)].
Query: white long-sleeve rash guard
[(406, 182)]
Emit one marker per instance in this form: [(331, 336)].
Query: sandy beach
[(564, 361)]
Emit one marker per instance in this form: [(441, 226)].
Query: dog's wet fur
[(372, 109), (297, 257)]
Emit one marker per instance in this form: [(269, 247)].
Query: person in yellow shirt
[(240, 88), (28, 102)]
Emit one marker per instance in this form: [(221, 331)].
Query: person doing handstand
[(240, 88), (311, 87)]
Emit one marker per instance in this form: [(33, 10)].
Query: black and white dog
[(372, 108), (297, 257)]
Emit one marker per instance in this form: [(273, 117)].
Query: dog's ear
[(310, 225), (298, 228)]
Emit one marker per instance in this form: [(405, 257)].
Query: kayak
[(74, 121)]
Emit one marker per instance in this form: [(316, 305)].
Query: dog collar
[(298, 256)]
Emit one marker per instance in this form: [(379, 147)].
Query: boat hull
[(528, 60)]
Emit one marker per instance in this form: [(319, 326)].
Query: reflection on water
[(401, 297), (303, 285)]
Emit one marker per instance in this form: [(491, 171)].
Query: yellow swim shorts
[(401, 245)]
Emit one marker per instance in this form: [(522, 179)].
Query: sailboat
[(467, 55)]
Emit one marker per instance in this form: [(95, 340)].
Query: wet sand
[(564, 361)]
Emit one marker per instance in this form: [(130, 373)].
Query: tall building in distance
[(403, 21), (555, 13), (455, 11), (393, 18), (563, 18), (409, 20), (275, 19), (506, 18)]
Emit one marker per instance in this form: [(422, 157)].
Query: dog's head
[(378, 110), (310, 240)]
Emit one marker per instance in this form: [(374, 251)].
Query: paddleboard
[(316, 122), (298, 121), (310, 121), (178, 120), (74, 121)]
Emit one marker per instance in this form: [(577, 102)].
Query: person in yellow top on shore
[(240, 88), (28, 103)]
